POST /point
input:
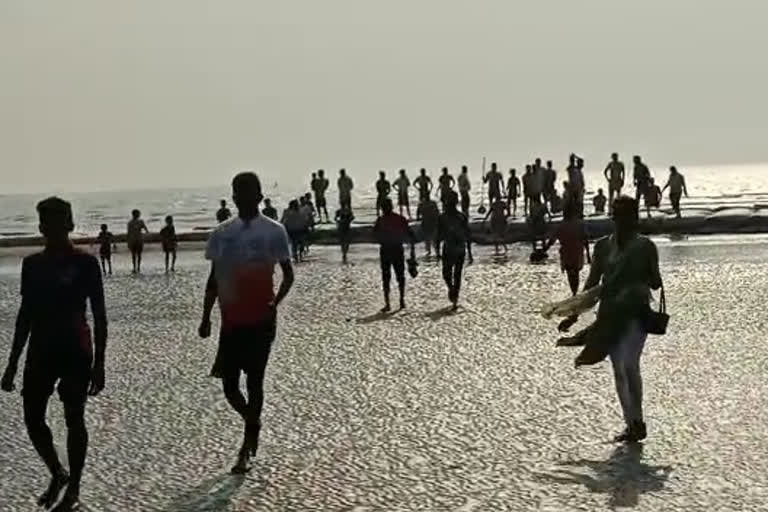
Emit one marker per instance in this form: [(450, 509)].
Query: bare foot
[(51, 495), (70, 503)]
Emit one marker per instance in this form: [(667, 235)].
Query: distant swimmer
[(614, 175), (495, 181), (295, 223), (106, 242), (464, 188), (269, 211), (319, 187), (550, 183), (498, 219), (402, 185), (641, 178), (574, 245), (56, 286), (513, 192), (223, 213), (135, 239), (652, 196), (455, 237), (383, 189), (391, 232), (345, 185), (170, 242), (424, 185), (599, 202), (676, 185), (446, 184), (429, 213), (527, 189), (344, 218), (243, 255)]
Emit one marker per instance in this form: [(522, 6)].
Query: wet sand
[(423, 410)]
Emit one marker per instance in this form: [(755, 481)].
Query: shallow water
[(423, 410)]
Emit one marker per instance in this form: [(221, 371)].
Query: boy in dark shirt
[(170, 242), (453, 232), (105, 240), (55, 286)]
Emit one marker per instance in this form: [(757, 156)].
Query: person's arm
[(665, 187), (209, 300), (100, 331), (607, 173), (411, 239), (468, 235), (20, 335), (685, 189), (595, 269), (286, 283), (144, 227), (653, 255), (586, 245)]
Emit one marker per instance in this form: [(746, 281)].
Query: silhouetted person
[(135, 239), (454, 235), (424, 185), (383, 189), (345, 186), (319, 187), (170, 242), (495, 182), (344, 218), (497, 214), (55, 286), (446, 185), (513, 192), (539, 180), (429, 213), (243, 253), (537, 223), (392, 231), (676, 185), (550, 183), (464, 189), (269, 211), (105, 241), (295, 223), (641, 178), (599, 202), (614, 175), (527, 189), (652, 196), (223, 213), (576, 181), (402, 185)]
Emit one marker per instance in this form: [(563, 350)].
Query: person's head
[(382, 175), (528, 169), (302, 200), (169, 220), (223, 203), (246, 193), (386, 206), (512, 172), (135, 214), (321, 173), (342, 172), (673, 170), (651, 180), (637, 159), (464, 169), (493, 167), (625, 214), (572, 159), (615, 157), (445, 171), (314, 175), (56, 222), (549, 164), (599, 191), (423, 172), (537, 162), (308, 197), (104, 228), (293, 204), (402, 173), (451, 201), (268, 203), (566, 185)]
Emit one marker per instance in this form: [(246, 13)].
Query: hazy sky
[(108, 94)]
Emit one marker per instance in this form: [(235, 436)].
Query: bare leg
[(35, 407)]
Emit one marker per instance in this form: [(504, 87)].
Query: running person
[(135, 239), (614, 175), (243, 253), (344, 218), (464, 188), (676, 185), (55, 286), (392, 231), (105, 241), (424, 185), (401, 185), (170, 242), (453, 232)]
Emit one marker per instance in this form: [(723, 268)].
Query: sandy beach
[(424, 410)]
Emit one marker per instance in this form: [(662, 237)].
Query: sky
[(99, 94)]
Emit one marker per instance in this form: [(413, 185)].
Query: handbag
[(656, 322)]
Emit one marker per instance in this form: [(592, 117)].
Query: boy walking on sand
[(169, 242), (105, 240)]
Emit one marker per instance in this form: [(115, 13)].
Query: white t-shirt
[(244, 258)]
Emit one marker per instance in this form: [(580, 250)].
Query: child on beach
[(599, 202), (344, 218), (652, 196), (498, 216), (169, 242), (428, 213), (135, 239), (105, 240)]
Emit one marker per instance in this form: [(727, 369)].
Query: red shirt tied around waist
[(244, 255)]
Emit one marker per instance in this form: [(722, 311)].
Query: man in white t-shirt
[(243, 253)]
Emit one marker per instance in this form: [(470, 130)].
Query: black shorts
[(169, 247), (70, 376), (402, 200), (136, 247), (245, 348), (320, 201), (105, 253), (392, 258)]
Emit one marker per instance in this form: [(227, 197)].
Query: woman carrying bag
[(624, 270)]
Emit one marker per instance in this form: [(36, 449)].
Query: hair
[(136, 213), (673, 169), (626, 211), (452, 199), (55, 212), (293, 204), (464, 168), (168, 219)]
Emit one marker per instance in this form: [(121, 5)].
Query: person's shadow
[(442, 313), (623, 476), (213, 495), (376, 317)]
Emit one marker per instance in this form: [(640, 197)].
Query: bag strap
[(662, 301)]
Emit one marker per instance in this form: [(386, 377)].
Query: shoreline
[(725, 221)]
